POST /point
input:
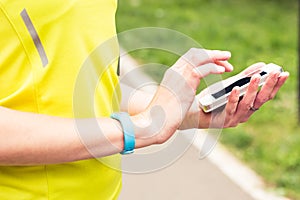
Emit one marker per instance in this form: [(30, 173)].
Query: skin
[(236, 111), (32, 139)]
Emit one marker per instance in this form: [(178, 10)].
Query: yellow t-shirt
[(44, 48)]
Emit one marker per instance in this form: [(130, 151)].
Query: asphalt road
[(188, 178)]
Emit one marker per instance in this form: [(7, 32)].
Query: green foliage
[(257, 30), (237, 139)]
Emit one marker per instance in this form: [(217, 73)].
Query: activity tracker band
[(128, 131)]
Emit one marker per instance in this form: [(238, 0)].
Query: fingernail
[(227, 53), (236, 90), (286, 73), (230, 67), (275, 74), (220, 69), (256, 78)]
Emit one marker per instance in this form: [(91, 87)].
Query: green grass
[(257, 30)]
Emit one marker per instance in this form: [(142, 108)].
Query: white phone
[(219, 92)]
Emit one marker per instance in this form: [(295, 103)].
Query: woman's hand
[(238, 111), (176, 94)]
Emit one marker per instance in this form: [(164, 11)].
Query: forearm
[(29, 139), (33, 139), (135, 100)]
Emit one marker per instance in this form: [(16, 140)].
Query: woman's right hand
[(176, 93)]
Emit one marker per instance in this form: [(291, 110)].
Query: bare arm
[(135, 100), (27, 139), (31, 139)]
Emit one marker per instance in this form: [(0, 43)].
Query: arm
[(30, 139), (235, 111), (135, 100)]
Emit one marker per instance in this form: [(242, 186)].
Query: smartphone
[(219, 92)]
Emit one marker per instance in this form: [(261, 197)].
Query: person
[(42, 155)]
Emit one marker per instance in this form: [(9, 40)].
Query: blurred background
[(256, 30)]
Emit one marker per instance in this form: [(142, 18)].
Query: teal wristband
[(128, 131)]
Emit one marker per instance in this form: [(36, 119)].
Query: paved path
[(188, 178)]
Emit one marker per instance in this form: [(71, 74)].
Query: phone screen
[(239, 83)]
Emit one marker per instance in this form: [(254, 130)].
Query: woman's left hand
[(237, 111)]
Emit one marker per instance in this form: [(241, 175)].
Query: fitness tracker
[(128, 131)]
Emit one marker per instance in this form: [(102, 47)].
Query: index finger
[(253, 68), (197, 57), (218, 55)]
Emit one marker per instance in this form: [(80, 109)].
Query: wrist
[(195, 118), (128, 131), (143, 134)]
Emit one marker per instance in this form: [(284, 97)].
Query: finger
[(252, 89), (248, 100), (197, 57), (209, 68), (253, 68), (283, 77), (233, 101), (217, 55), (228, 67), (247, 72), (264, 94)]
